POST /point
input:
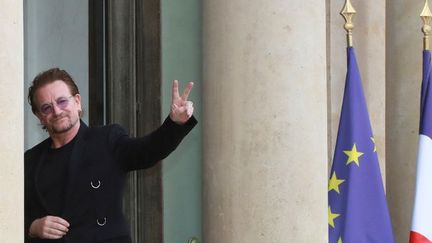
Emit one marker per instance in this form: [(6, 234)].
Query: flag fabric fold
[(357, 206), (421, 229)]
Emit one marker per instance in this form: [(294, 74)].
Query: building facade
[(269, 81)]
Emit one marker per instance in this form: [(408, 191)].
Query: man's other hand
[(49, 227)]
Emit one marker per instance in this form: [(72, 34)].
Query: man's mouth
[(59, 119)]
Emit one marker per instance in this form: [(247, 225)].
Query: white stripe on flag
[(422, 217)]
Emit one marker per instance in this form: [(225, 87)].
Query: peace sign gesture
[(181, 108)]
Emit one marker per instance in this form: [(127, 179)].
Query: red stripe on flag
[(418, 238)]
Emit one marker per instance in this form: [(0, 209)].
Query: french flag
[(421, 229)]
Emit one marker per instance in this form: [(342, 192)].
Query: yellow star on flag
[(353, 155), (340, 240), (332, 217), (373, 141), (334, 183)]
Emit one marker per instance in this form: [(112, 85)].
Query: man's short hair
[(47, 77)]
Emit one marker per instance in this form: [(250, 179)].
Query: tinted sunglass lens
[(46, 109), (62, 103)]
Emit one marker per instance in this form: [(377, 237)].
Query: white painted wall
[(11, 122)]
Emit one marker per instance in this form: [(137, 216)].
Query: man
[(74, 179)]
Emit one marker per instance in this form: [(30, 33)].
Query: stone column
[(265, 121), (404, 77), (11, 122)]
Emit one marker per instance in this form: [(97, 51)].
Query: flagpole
[(348, 12), (426, 16)]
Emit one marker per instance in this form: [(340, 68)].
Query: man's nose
[(56, 109)]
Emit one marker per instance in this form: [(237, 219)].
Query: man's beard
[(62, 128)]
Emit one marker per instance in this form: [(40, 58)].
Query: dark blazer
[(99, 162)]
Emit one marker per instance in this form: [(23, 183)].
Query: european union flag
[(357, 209)]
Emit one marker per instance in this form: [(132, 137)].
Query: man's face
[(57, 109)]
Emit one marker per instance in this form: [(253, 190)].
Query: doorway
[(125, 88)]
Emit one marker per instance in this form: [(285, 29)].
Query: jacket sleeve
[(144, 152)]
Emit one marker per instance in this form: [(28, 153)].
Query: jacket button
[(95, 185), (101, 222)]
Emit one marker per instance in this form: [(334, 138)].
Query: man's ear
[(77, 98)]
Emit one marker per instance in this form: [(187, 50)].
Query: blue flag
[(357, 207)]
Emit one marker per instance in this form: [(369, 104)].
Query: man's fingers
[(49, 232), (55, 232), (175, 92), (183, 109), (59, 220), (189, 112), (60, 227), (55, 227), (180, 110), (51, 236), (187, 90), (49, 227)]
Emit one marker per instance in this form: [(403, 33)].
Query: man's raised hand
[(181, 108)]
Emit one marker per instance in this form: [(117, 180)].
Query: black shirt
[(52, 187)]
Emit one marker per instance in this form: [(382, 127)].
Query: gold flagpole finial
[(348, 12), (426, 16)]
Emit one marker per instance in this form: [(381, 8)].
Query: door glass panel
[(55, 35)]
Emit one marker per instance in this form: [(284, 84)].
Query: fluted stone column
[(265, 121), (11, 122)]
